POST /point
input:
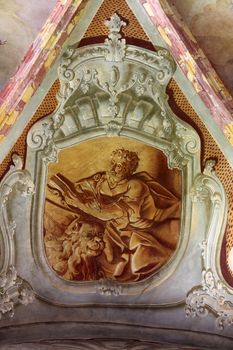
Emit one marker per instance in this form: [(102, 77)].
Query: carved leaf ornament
[(115, 86), (212, 296), (116, 89), (13, 289)]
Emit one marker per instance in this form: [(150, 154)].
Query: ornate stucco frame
[(96, 83)]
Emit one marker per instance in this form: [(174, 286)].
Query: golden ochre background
[(90, 157), (134, 34)]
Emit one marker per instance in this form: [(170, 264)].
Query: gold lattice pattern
[(106, 10), (178, 103)]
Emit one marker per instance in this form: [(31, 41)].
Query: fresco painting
[(112, 210)]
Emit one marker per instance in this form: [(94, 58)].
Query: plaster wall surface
[(21, 20), (211, 22)]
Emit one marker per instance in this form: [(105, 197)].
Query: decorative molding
[(176, 159), (129, 88), (42, 137), (109, 288), (207, 186), (123, 97), (95, 344), (112, 88), (211, 295), (187, 139), (114, 50), (13, 290), (115, 45), (127, 91), (113, 128), (161, 61), (15, 178)]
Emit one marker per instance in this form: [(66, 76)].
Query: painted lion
[(74, 254)]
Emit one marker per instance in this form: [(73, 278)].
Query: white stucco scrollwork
[(115, 45), (109, 288), (113, 128), (41, 137), (110, 89), (13, 289), (15, 179), (116, 89), (212, 295)]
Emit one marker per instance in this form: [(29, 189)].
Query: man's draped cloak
[(140, 218)]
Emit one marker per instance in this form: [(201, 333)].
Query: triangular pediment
[(119, 85)]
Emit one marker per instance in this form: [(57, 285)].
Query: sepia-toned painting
[(112, 210)]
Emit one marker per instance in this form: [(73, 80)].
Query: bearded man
[(141, 218)]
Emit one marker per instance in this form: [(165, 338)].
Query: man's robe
[(136, 245)]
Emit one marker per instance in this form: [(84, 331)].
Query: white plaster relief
[(212, 295), (15, 179), (123, 97), (13, 289)]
